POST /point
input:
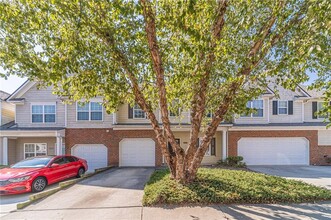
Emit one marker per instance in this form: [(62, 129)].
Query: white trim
[(268, 110), (35, 152), (23, 86), (276, 128), (224, 144), (114, 118), (5, 151), (65, 115), (303, 111)]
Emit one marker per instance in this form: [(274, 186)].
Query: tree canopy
[(211, 56)]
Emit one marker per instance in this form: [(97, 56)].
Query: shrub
[(233, 161)]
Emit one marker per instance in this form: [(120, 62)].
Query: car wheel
[(39, 184), (80, 172)]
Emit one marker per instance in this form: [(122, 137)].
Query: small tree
[(211, 56)]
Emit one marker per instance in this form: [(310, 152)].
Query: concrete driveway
[(113, 194), (316, 175)]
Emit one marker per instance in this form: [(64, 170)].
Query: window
[(91, 111), (257, 105), (32, 150), (138, 112), (282, 107), (60, 161), (319, 108), (211, 151), (43, 113)]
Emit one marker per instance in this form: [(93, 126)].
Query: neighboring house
[(283, 130), (7, 116)]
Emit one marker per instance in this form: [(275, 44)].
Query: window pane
[(282, 104), (282, 110), (29, 148), (138, 113), (37, 109), (49, 109), (41, 148), (96, 116), (37, 118), (83, 107), (258, 113), (49, 117), (95, 106), (258, 104), (27, 155), (82, 116)]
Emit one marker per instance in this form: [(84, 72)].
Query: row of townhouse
[(284, 130)]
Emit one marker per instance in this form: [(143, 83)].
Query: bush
[(233, 161)]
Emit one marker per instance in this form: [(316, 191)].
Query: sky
[(13, 82)]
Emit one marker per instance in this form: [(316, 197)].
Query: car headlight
[(19, 179)]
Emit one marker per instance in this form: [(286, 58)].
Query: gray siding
[(73, 123), (295, 118), (23, 112)]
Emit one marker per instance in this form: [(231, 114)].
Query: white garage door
[(274, 151), (137, 152), (95, 154)]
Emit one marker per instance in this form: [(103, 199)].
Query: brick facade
[(110, 138), (316, 152)]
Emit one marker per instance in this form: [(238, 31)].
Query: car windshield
[(32, 162)]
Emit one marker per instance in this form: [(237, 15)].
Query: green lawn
[(3, 166), (229, 186)]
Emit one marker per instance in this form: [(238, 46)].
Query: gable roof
[(4, 95), (20, 91)]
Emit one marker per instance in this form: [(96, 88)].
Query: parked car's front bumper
[(15, 188)]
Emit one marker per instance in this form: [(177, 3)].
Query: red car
[(34, 174)]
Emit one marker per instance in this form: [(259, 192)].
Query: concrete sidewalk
[(318, 211)]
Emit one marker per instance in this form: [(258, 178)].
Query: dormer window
[(282, 107)]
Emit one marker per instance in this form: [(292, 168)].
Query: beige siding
[(50, 141), (1, 162), (295, 118), (182, 119), (12, 151), (324, 137), (73, 123), (122, 116), (184, 139), (7, 112), (309, 113), (256, 120), (23, 112)]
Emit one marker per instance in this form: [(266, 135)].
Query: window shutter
[(314, 107), (275, 107), (290, 107), (130, 111), (213, 147)]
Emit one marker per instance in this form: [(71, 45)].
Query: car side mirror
[(54, 165)]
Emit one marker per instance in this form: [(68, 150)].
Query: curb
[(61, 186)]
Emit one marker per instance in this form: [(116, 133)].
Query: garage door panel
[(274, 151), (96, 155), (137, 152)]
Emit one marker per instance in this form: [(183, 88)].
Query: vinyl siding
[(295, 118), (23, 112), (324, 137), (309, 112), (123, 116), (7, 112), (185, 137), (19, 147), (256, 120), (73, 123)]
